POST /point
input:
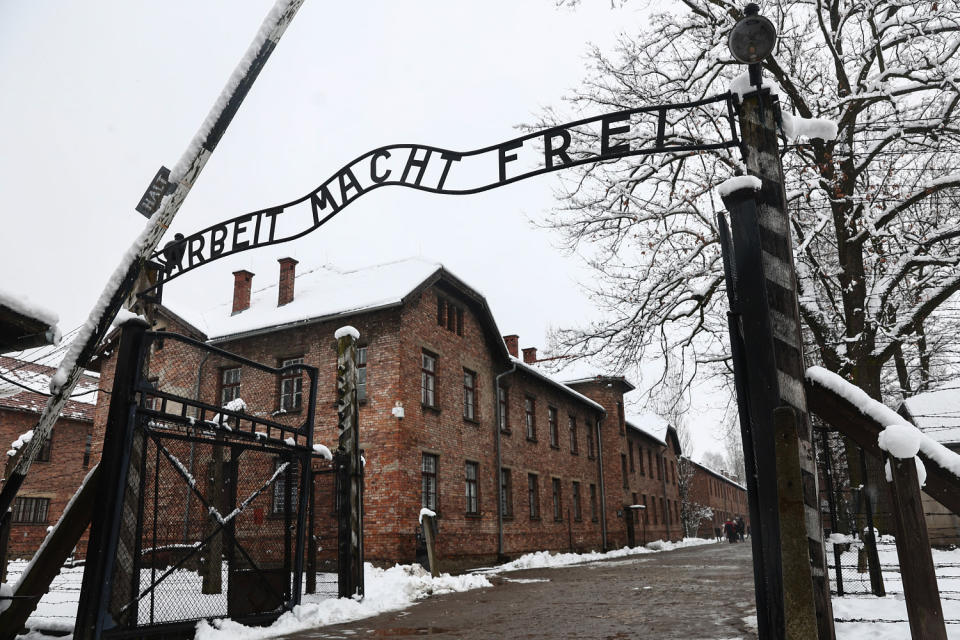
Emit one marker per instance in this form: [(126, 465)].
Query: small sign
[(154, 193)]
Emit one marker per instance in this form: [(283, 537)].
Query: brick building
[(64, 460), (541, 464), (725, 497)]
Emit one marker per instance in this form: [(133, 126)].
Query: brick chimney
[(513, 345), (288, 271), (530, 355), (242, 280)]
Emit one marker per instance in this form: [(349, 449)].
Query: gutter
[(496, 430)]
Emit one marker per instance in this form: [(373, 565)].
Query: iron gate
[(213, 476)]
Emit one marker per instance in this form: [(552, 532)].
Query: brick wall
[(726, 498)]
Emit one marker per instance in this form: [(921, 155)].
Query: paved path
[(698, 593)]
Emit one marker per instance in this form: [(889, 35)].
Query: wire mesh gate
[(215, 486)]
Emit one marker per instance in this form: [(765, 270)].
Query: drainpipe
[(496, 430), (666, 503), (603, 491)]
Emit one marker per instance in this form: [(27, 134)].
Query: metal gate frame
[(117, 524)]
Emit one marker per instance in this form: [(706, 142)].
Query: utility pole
[(121, 285), (778, 445)]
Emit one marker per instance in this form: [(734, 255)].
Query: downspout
[(186, 519), (666, 502), (496, 430), (603, 491)]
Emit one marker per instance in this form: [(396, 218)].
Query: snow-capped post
[(901, 443), (121, 284), (428, 523), (766, 291), (349, 467)]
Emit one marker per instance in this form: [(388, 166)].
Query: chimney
[(513, 345), (288, 271), (242, 281), (530, 355)]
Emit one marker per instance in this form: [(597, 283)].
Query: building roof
[(18, 374), (320, 293), (937, 412), (25, 324), (522, 366), (628, 386), (717, 474), (649, 424)]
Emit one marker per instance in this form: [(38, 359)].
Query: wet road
[(698, 593)]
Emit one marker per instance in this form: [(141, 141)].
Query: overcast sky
[(97, 95)]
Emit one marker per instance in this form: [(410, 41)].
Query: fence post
[(869, 536), (312, 538), (115, 461), (913, 550), (350, 465), (430, 536), (832, 501)]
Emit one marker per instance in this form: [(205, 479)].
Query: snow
[(26, 307), (386, 590), (21, 440), (937, 412), (6, 591), (521, 365), (649, 423), (795, 127), (900, 440), (740, 86), (426, 512), (546, 559), (945, 458), (346, 331), (321, 292), (236, 405), (737, 183), (125, 315), (322, 451), (921, 472)]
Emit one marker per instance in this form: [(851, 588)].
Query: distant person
[(741, 527), (718, 534), (730, 530)]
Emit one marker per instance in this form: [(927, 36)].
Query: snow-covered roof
[(718, 475), (26, 307), (319, 293), (937, 412), (37, 376), (522, 366), (650, 424)]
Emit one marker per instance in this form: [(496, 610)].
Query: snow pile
[(900, 440), (25, 307), (125, 315), (945, 458), (740, 86), (386, 590), (839, 538), (346, 331), (426, 512), (322, 451), (737, 183), (545, 559), (921, 472), (23, 439), (236, 405)]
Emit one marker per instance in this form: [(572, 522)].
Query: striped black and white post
[(769, 320)]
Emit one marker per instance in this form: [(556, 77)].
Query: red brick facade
[(726, 498)]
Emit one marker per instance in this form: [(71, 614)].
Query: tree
[(874, 216), (691, 511)]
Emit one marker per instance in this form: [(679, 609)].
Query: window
[(289, 475), (593, 502), (229, 385), (552, 420), (640, 456), (577, 512), (663, 512), (472, 489), (44, 454), (673, 472), (30, 510), (572, 421), (590, 450), (623, 470), (503, 412), (428, 477), (533, 496), (645, 506), (530, 417), (650, 461), (659, 467), (86, 451), (632, 468), (361, 373), (428, 380), (449, 316), (557, 501), (291, 386), (469, 395), (653, 505), (636, 516), (506, 493)]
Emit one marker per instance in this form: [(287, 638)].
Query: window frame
[(557, 487), (362, 374), (471, 498), (554, 427), (591, 445), (428, 379), (530, 417), (533, 495), (39, 507), (430, 477), (572, 426), (470, 395), (503, 409), (506, 493), (234, 387), (577, 506), (593, 503), (43, 455), (295, 378), (623, 471)]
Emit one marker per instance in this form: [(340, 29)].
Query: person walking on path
[(730, 530), (740, 527)]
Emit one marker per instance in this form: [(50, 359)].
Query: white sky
[(97, 95)]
